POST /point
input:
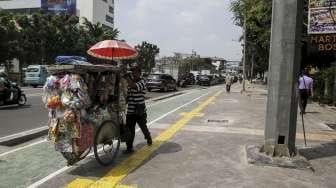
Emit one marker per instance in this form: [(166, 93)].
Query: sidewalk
[(209, 150), (320, 117)]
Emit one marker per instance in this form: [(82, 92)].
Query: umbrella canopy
[(112, 50)]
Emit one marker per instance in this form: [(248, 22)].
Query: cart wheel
[(107, 142)]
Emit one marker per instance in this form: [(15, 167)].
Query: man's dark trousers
[(304, 95), (131, 121), (228, 87)]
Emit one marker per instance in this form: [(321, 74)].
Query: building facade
[(101, 11)]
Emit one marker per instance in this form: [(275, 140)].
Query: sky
[(205, 26)]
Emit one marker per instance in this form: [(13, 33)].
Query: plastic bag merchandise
[(77, 106), (67, 98)]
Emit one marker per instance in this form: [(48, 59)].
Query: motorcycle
[(12, 95)]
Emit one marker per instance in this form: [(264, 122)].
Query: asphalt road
[(15, 119)]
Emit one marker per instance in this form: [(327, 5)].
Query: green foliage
[(8, 39), (325, 86), (258, 17), (39, 38), (146, 55)]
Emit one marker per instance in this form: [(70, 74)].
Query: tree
[(8, 39), (258, 17), (44, 36), (146, 55), (40, 37)]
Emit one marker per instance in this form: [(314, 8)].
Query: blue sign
[(59, 6)]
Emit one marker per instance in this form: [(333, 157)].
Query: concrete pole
[(285, 56)]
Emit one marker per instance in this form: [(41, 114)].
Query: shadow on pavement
[(91, 168), (323, 151), (313, 112), (167, 147), (14, 107)]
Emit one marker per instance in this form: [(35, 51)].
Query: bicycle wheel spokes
[(106, 143)]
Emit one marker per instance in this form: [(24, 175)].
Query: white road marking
[(174, 97), (40, 182), (34, 95), (21, 148), (24, 132), (52, 175)]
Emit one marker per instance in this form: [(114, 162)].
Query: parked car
[(35, 75), (206, 80), (163, 82), (186, 79), (221, 79)]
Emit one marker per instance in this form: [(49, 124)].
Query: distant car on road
[(206, 80), (36, 75), (163, 82)]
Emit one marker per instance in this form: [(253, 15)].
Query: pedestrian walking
[(228, 81), (136, 110), (305, 90), (240, 79)]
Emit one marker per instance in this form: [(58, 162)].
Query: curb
[(22, 137)]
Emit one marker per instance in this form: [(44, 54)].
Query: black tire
[(22, 100), (108, 133)]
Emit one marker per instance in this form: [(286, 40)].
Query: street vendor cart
[(87, 103), (87, 106)]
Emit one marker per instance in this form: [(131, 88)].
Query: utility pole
[(285, 57), (252, 66), (244, 55)]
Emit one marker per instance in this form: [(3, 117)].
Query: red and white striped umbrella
[(112, 50)]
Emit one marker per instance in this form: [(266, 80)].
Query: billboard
[(59, 6), (322, 17)]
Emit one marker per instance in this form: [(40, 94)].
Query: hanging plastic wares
[(65, 82), (75, 82), (53, 130), (84, 98), (51, 82), (66, 98), (69, 116), (54, 102)]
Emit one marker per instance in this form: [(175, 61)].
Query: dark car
[(163, 82), (206, 80), (221, 79), (186, 79)]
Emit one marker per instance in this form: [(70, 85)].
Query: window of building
[(111, 9), (109, 19)]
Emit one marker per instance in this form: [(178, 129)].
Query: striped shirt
[(136, 96)]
